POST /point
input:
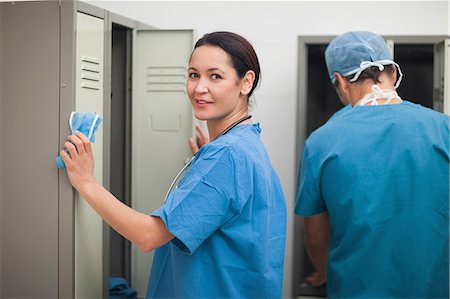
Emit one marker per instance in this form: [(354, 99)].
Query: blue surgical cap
[(353, 52)]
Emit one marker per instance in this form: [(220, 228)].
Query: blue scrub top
[(228, 216), (382, 174)]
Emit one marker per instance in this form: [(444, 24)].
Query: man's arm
[(316, 236)]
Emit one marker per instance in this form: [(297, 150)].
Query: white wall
[(273, 28)]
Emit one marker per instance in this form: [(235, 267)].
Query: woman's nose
[(202, 86)]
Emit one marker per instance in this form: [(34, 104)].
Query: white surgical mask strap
[(400, 76), (380, 64), (377, 93), (365, 65), (70, 121), (91, 130)]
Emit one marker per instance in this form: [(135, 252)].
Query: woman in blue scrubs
[(221, 232)]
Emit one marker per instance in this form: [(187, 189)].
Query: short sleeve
[(309, 197), (200, 204)]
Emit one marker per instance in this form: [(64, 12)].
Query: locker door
[(161, 125), (29, 94), (441, 82), (89, 97)]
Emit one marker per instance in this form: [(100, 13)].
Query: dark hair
[(243, 56), (371, 73)]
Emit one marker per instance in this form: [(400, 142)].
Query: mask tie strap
[(365, 65), (377, 93), (70, 121), (91, 130)]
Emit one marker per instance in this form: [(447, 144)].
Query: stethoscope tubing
[(177, 177), (186, 166)]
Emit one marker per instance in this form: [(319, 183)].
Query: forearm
[(318, 254), (145, 231), (316, 232)]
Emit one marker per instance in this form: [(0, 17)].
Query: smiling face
[(213, 86)]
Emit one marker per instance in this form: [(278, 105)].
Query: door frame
[(301, 123)]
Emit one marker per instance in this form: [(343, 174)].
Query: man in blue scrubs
[(373, 186)]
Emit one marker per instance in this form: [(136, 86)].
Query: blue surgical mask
[(84, 122)]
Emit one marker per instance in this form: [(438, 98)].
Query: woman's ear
[(247, 82)]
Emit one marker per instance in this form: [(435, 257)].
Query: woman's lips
[(202, 103)]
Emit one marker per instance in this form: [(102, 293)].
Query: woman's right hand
[(80, 163), (202, 138)]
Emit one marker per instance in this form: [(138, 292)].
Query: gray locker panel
[(67, 103), (161, 125), (29, 123)]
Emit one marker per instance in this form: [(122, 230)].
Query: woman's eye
[(193, 75), (215, 76)]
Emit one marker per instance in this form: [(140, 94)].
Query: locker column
[(1, 138), (30, 39), (89, 97)]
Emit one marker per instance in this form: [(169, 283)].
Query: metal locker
[(55, 58), (29, 119), (162, 123), (37, 75)]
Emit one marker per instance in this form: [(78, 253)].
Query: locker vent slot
[(90, 73), (165, 79)]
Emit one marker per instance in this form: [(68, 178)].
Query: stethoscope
[(188, 164)]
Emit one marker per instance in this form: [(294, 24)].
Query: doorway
[(318, 101)]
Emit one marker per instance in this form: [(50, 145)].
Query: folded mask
[(84, 122)]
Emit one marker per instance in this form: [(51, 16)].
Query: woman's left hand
[(80, 163), (201, 139)]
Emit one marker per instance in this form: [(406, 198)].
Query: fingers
[(198, 140), (86, 141), (70, 150), (202, 133), (316, 279), (193, 145), (75, 145), (66, 158), (202, 136), (80, 142)]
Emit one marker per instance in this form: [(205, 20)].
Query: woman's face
[(213, 85)]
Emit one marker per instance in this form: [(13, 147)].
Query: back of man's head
[(353, 52)]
